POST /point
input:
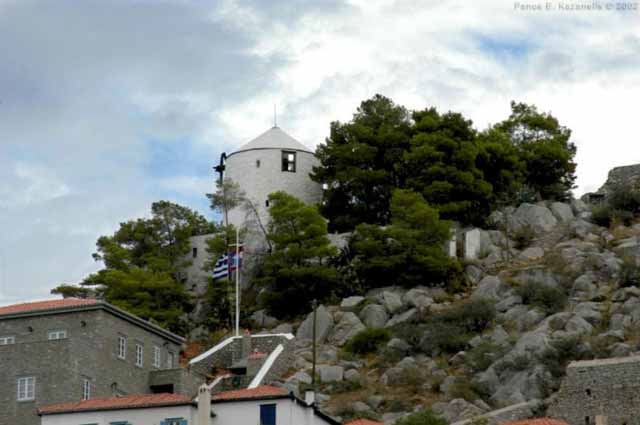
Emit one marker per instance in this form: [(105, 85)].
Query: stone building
[(608, 388), (271, 162), (72, 349)]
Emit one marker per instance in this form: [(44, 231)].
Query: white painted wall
[(151, 416), (259, 182), (288, 412)]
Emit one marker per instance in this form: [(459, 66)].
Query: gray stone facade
[(233, 354), (89, 352), (607, 387)]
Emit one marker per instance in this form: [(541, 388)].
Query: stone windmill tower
[(271, 162)]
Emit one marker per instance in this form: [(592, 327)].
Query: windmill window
[(289, 161), (257, 163)]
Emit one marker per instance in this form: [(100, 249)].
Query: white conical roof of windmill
[(274, 138)]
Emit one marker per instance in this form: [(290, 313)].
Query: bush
[(629, 273), (426, 417), (367, 341), (561, 352), (451, 330), (480, 357), (621, 206), (547, 298), (523, 236)]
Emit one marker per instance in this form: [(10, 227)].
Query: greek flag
[(226, 264), (221, 268)]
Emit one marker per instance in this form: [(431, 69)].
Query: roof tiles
[(535, 421), (363, 422), (47, 305), (117, 403)]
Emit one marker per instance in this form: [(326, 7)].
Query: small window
[(266, 203), (267, 414), (174, 421), (122, 347), (7, 340), (27, 388), (257, 163), (170, 360), (156, 356), (139, 355), (289, 161), (86, 389), (60, 334), (194, 252)]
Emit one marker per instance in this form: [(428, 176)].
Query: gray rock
[(499, 335), (399, 345), (375, 401), (391, 301), (589, 311), (508, 303), (531, 253), (531, 344), (374, 316), (578, 326), (447, 386), (562, 212), (398, 319), (537, 276), (283, 328), (584, 287), (330, 373), (418, 298), (491, 288), (538, 217), (324, 324), (346, 329), (579, 206), (456, 410), (620, 349), (473, 273), (352, 375), (263, 320), (351, 303), (360, 407), (300, 376)]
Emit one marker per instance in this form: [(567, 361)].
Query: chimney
[(204, 405), (310, 397)]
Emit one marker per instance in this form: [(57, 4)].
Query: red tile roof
[(264, 391), (363, 422), (536, 421), (47, 305), (116, 403)]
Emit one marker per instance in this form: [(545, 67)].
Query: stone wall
[(61, 366), (607, 387)]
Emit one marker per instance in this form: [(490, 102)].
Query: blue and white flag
[(221, 268)]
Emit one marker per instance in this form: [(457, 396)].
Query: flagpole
[(237, 281)]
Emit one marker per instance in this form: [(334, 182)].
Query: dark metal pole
[(314, 304)]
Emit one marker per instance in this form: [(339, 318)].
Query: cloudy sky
[(106, 106)]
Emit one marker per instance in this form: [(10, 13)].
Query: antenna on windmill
[(275, 116)]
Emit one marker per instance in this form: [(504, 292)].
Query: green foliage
[(409, 251), (441, 165), (544, 148), (450, 330), (523, 236), (561, 352), (548, 298), (480, 357), (143, 260), (361, 164), (73, 291), (629, 273), (425, 417), (622, 205), (368, 341), (297, 271), (227, 196)]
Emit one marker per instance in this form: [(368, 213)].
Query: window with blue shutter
[(174, 421), (267, 414)]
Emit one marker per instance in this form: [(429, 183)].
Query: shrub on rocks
[(548, 298), (425, 417), (367, 341)]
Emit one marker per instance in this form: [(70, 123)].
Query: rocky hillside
[(549, 287)]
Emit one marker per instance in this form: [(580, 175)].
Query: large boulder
[(456, 410), (330, 373), (419, 298), (562, 211), (491, 288), (324, 324), (351, 303), (347, 328), (537, 217), (391, 301), (398, 319), (263, 320), (374, 316)]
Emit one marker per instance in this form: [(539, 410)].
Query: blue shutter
[(163, 422), (183, 422), (268, 414)]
